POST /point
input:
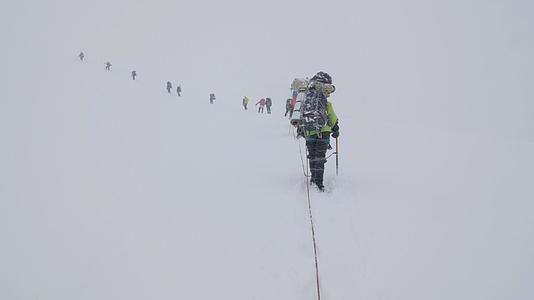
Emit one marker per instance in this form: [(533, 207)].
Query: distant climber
[(81, 55), (169, 87), (245, 102), (178, 90), (262, 105), (289, 108), (108, 65), (134, 74), (268, 103), (212, 97)]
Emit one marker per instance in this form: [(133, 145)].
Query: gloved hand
[(335, 131), (335, 127)]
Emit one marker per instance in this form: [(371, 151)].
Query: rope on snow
[(306, 171)]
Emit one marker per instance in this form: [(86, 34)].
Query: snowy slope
[(116, 189), (113, 189), (116, 201)]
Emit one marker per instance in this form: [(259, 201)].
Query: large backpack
[(311, 105), (313, 110), (314, 115)]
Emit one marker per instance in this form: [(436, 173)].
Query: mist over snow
[(113, 189)]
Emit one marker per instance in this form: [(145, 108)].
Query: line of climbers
[(264, 102), (317, 139), (108, 65)]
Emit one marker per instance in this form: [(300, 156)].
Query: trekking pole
[(337, 157)]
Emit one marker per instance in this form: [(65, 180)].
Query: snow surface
[(113, 189)]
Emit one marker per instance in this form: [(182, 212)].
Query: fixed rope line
[(312, 225)]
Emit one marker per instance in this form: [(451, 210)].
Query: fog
[(113, 189)]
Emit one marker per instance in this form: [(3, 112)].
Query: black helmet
[(322, 77)]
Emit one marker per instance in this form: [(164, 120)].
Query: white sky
[(464, 63)]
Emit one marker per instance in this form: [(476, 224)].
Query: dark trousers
[(245, 106), (317, 146), (268, 109), (260, 109)]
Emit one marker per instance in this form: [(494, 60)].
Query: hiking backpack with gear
[(311, 105)]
